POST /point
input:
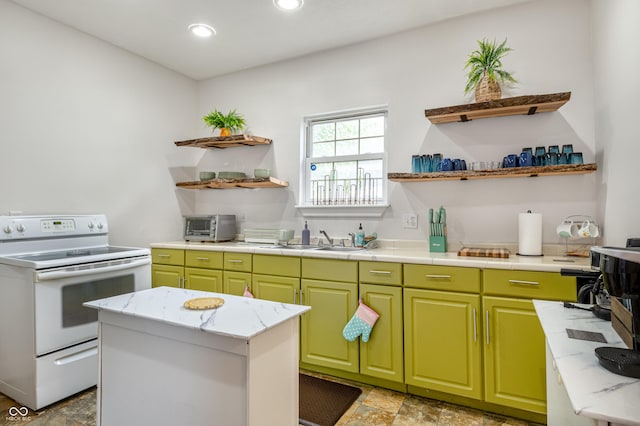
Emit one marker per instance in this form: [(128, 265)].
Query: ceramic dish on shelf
[(262, 173), (231, 175)]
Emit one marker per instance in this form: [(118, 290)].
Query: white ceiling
[(249, 32)]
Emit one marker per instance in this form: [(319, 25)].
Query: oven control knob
[(7, 229), (20, 227), (100, 225), (91, 225)]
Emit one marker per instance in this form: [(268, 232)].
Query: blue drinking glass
[(415, 164), (526, 159), (554, 149), (576, 158), (551, 159), (447, 165), (563, 158), (567, 149), (540, 150)]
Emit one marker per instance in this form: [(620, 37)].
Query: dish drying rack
[(268, 236)]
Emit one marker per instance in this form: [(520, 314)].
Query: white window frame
[(360, 210)]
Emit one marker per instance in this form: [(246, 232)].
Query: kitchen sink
[(339, 248)]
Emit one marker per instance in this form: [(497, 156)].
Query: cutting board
[(484, 252)]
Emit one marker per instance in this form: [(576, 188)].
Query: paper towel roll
[(530, 234)]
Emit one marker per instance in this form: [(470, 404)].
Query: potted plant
[(229, 123), (485, 69)]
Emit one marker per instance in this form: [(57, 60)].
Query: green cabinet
[(514, 346), (276, 278), (167, 268), (381, 289), (442, 346), (237, 273), (330, 287), (382, 356), (203, 279), (442, 342)]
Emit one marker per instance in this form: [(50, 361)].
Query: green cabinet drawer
[(203, 259), (283, 266), (167, 256), (448, 278), (380, 273), (529, 284), (330, 269), (237, 262)]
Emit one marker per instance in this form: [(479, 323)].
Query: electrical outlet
[(410, 220)]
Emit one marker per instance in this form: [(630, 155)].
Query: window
[(345, 159)]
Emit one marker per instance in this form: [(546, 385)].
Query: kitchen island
[(579, 390), (164, 364)]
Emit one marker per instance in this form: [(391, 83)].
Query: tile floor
[(375, 406)]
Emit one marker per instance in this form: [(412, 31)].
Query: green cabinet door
[(382, 355), (514, 354), (235, 282), (203, 279), (332, 306), (443, 341), (277, 289), (166, 275)]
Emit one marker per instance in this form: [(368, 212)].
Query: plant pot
[(487, 90), (225, 132)]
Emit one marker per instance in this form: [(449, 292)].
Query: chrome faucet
[(353, 239), (327, 237)]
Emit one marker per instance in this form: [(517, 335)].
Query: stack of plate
[(267, 236)]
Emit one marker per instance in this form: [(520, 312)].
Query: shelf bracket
[(464, 118), (532, 110)]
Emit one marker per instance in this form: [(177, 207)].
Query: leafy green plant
[(233, 120), (487, 60)]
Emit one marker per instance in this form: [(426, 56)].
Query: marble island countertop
[(397, 251), (239, 317), (593, 390)]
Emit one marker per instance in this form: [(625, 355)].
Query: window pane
[(347, 129), (324, 149), (322, 170), (372, 126), (373, 167), (346, 169), (323, 132), (371, 145), (347, 147)]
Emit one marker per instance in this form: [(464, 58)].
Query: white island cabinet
[(581, 392), (163, 364)]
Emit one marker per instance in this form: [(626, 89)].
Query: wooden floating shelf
[(225, 141), (520, 105), (269, 182), (568, 169)]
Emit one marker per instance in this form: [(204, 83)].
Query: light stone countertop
[(593, 390), (397, 251), (239, 317)]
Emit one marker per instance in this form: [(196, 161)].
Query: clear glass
[(347, 129), (323, 132)]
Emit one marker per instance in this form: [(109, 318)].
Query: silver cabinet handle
[(524, 282), (475, 326), (235, 261), (202, 258), (487, 325), (438, 276), (295, 295), (164, 255), (300, 297), (373, 271)]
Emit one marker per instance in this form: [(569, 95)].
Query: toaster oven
[(213, 228)]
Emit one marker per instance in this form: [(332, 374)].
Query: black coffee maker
[(620, 275)]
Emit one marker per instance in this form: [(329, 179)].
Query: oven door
[(60, 319)]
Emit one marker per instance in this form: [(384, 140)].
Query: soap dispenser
[(360, 237), (306, 235)]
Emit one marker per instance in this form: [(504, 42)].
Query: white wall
[(86, 127), (411, 72), (617, 67)]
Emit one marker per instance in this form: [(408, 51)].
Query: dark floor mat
[(322, 402)]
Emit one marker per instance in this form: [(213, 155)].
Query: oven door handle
[(64, 273)]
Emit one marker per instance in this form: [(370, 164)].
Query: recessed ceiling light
[(288, 4), (202, 30)]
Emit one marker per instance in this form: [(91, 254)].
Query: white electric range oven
[(50, 266)]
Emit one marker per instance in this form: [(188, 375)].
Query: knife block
[(437, 243)]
